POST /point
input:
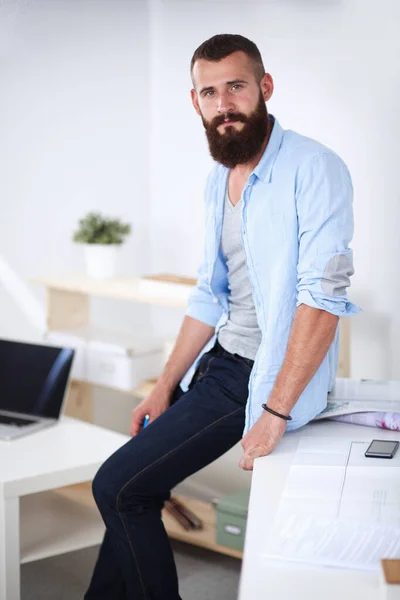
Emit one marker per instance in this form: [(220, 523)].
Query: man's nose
[(225, 104)]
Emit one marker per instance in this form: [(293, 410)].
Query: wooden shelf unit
[(77, 287), (68, 307), (81, 495), (67, 519)]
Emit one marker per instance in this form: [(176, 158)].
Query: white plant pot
[(101, 260)]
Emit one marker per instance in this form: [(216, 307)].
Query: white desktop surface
[(287, 581), (67, 453)]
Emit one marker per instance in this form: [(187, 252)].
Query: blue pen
[(146, 421)]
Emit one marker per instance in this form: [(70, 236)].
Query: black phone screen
[(382, 448)]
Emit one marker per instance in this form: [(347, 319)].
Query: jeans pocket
[(248, 366), (233, 380), (202, 367)]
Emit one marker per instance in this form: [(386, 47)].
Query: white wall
[(336, 71), (74, 121)]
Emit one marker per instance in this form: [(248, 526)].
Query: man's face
[(231, 104)]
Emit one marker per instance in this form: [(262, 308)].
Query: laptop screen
[(33, 378)]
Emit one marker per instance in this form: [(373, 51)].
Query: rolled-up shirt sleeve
[(324, 196)]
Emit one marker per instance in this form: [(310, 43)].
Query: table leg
[(9, 548)]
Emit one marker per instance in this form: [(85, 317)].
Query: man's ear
[(195, 102), (267, 86)]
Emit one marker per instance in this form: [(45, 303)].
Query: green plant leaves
[(97, 229)]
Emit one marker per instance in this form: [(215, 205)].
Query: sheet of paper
[(362, 395), (338, 507), (344, 544), (322, 451)]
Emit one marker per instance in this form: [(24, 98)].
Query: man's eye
[(209, 93), (237, 86)]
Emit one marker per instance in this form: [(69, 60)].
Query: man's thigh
[(201, 425)]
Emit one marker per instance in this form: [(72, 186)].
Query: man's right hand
[(154, 405), (192, 338)]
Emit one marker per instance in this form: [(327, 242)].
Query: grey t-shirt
[(241, 333)]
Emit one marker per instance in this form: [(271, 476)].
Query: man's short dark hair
[(222, 45)]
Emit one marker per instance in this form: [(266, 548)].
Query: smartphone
[(382, 449)]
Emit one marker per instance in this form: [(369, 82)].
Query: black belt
[(247, 361)]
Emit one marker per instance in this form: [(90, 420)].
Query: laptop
[(34, 382)]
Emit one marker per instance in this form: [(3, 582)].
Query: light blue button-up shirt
[(297, 223)]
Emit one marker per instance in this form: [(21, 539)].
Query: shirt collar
[(263, 170)]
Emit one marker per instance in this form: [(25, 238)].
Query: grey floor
[(203, 575)]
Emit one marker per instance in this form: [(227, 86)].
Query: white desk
[(288, 581), (46, 523)]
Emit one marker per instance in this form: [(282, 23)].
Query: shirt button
[(215, 299)]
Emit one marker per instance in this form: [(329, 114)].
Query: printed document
[(338, 508)]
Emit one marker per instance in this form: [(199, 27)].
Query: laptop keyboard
[(18, 421)]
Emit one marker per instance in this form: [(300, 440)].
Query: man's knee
[(103, 490), (128, 481), (118, 489)]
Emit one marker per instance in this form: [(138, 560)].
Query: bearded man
[(257, 351)]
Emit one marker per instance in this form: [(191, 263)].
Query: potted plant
[(101, 238)]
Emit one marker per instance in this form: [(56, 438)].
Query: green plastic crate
[(231, 519)]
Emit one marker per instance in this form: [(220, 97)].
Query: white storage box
[(124, 372), (111, 358)]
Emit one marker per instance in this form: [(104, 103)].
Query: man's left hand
[(261, 439)]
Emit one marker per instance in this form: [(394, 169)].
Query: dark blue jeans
[(135, 560)]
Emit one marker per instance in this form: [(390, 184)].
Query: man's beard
[(233, 147)]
